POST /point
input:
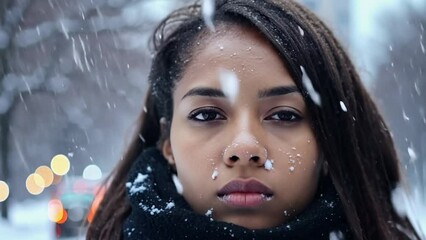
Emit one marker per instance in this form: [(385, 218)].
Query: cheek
[(193, 149), (195, 174), (299, 150), (302, 157), (195, 161), (297, 165)]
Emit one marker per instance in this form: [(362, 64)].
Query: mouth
[(245, 193)]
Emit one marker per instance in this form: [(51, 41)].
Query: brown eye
[(205, 115), (285, 116)]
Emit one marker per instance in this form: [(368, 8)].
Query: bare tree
[(4, 117), (75, 79)]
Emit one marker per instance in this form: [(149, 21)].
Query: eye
[(205, 115), (284, 116)]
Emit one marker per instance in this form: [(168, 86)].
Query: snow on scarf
[(159, 212)]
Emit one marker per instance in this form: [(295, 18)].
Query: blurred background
[(72, 82)]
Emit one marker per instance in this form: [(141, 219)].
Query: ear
[(168, 152)]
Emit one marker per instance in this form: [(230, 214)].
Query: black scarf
[(159, 212)]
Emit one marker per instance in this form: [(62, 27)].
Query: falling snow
[(229, 83), (404, 115), (343, 106), (178, 184), (410, 205), (412, 154), (141, 138), (208, 9), (336, 235), (310, 88), (302, 33)]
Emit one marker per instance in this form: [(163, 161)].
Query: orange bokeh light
[(64, 217), (46, 173), (4, 191), (34, 184)]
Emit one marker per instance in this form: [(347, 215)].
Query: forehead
[(235, 42), (240, 49)]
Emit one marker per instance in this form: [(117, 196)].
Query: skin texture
[(241, 131)]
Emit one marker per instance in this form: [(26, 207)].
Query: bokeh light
[(46, 173), (60, 164), (4, 191), (92, 172), (64, 217), (55, 210), (34, 184), (76, 214), (38, 180)]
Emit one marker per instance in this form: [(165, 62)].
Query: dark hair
[(356, 143)]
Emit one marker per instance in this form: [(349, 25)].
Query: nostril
[(255, 158), (234, 158)]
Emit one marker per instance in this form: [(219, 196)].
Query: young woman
[(258, 129)]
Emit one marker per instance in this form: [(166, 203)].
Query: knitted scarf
[(159, 212)]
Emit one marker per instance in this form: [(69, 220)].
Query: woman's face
[(240, 136)]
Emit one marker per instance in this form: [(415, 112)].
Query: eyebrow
[(213, 92), (203, 91), (277, 91)]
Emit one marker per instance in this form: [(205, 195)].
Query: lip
[(245, 193)]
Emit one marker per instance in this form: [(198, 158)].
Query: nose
[(245, 150)]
